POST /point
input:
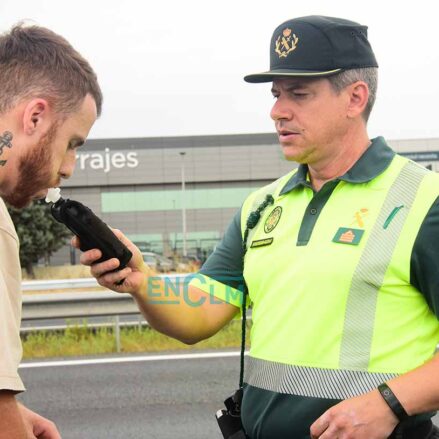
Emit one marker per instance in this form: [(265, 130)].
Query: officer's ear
[(36, 117), (358, 97)]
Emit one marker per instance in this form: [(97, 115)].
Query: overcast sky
[(175, 67)]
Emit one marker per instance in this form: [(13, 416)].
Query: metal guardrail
[(81, 304), (77, 304), (71, 305), (61, 284), (44, 285)]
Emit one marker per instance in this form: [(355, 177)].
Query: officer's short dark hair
[(369, 75), (36, 62)]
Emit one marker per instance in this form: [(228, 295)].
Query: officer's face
[(310, 118)]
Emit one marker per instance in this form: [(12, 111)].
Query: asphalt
[(154, 399), (161, 399)]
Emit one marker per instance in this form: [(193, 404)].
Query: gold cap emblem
[(286, 43)]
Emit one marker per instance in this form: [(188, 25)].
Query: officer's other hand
[(364, 417), (132, 279)]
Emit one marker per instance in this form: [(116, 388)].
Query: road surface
[(155, 397)]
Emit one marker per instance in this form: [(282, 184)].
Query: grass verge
[(82, 340)]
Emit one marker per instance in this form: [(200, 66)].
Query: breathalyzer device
[(91, 230)]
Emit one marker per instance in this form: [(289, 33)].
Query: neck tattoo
[(5, 141)]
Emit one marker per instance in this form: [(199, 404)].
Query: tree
[(39, 233)]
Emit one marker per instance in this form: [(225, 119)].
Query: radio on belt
[(91, 230)]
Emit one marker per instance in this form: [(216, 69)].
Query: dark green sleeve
[(225, 263), (424, 266)]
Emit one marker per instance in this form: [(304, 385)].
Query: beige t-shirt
[(10, 304)]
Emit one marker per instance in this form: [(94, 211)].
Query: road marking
[(129, 359)]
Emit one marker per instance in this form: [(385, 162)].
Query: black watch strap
[(393, 402)]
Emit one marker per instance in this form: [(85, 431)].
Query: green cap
[(316, 46)]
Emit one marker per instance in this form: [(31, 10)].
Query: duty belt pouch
[(229, 420)]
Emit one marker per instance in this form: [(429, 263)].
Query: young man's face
[(53, 157), (309, 116)]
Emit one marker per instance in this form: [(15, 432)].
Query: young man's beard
[(35, 172)]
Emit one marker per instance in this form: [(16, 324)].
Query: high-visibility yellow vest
[(338, 316)]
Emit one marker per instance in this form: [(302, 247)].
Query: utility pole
[(183, 202)]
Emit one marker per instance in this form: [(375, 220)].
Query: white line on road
[(129, 359)]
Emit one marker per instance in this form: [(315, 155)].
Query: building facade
[(135, 185)]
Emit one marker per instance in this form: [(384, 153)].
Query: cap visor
[(269, 76)]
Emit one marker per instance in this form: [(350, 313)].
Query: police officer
[(340, 258)]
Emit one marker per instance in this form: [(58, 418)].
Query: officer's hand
[(364, 417), (134, 276)]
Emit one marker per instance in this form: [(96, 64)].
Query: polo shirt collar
[(374, 161)]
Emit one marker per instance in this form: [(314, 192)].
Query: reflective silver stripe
[(372, 267), (311, 381)]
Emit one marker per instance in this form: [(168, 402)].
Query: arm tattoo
[(5, 141)]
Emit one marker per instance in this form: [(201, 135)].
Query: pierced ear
[(35, 116), (359, 95)]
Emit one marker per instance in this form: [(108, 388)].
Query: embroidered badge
[(359, 217), (273, 219), (348, 236), (286, 43), (261, 242)]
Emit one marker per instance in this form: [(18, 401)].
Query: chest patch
[(350, 236), (272, 219)]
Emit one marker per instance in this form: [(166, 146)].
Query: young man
[(49, 100), (341, 259)]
